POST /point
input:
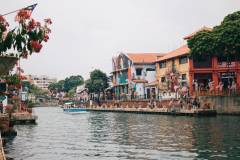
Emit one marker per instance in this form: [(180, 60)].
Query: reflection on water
[(97, 135)]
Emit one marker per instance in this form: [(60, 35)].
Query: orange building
[(214, 74), (208, 75)]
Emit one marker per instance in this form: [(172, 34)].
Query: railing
[(225, 92)]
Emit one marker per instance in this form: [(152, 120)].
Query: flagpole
[(16, 10)]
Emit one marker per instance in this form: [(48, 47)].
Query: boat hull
[(74, 110)]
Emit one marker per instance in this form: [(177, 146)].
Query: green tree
[(98, 82), (37, 91), (71, 92), (72, 82), (56, 87), (222, 41)]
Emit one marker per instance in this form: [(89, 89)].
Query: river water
[(113, 136)]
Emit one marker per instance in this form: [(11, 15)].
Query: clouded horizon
[(87, 33)]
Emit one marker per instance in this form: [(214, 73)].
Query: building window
[(139, 71), (184, 77), (163, 79), (162, 64), (183, 60)]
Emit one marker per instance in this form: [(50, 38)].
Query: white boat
[(72, 108)]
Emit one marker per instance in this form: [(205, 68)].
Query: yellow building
[(172, 70)]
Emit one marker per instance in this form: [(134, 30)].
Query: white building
[(132, 72), (42, 81)]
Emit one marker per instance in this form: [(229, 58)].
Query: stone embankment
[(153, 107), (228, 105), (163, 111), (4, 127), (23, 118), (2, 155)]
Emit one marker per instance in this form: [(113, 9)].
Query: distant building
[(82, 93), (41, 81)]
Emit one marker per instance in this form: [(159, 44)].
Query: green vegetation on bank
[(69, 84), (97, 83)]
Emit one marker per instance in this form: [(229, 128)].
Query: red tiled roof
[(183, 50), (144, 57), (204, 28)]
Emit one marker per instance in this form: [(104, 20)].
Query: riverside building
[(132, 72), (202, 76)]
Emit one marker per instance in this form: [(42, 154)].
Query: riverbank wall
[(159, 111), (2, 155), (152, 104), (6, 126), (151, 107), (229, 105), (4, 123)]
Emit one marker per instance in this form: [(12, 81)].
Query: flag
[(31, 7)]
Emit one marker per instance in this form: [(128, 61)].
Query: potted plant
[(22, 41)]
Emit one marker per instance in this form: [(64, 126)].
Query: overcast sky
[(87, 33)]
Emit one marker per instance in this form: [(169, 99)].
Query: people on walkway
[(233, 87), (184, 91), (211, 86), (196, 86), (195, 103), (219, 87)]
